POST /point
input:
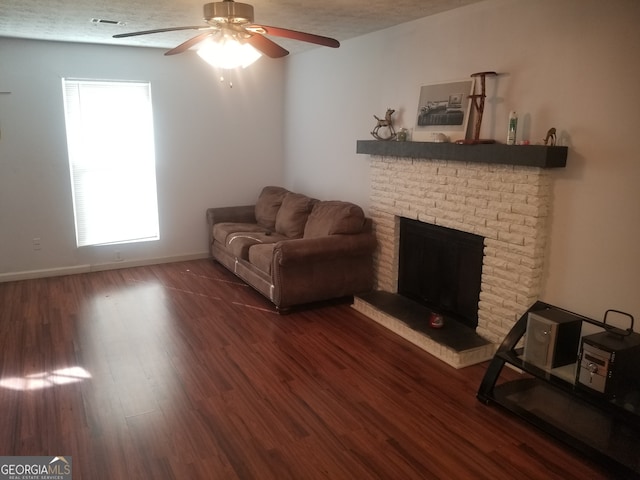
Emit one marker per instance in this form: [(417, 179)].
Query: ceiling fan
[(235, 19)]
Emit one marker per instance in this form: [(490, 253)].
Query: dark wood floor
[(180, 371)]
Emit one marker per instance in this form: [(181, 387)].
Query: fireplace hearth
[(455, 343)]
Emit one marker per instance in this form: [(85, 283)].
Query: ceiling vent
[(102, 21)]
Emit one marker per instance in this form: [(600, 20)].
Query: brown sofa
[(295, 249)]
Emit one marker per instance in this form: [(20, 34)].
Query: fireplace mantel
[(522, 155)]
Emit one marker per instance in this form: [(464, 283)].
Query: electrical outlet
[(36, 243), (117, 256)]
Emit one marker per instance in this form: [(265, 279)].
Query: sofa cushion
[(260, 256), (334, 217), (222, 230), (239, 243), (267, 206), (293, 214)]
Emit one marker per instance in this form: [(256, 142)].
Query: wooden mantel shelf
[(522, 155)]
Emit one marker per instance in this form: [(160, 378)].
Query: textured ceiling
[(70, 20)]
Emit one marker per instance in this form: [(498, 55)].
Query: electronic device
[(552, 339), (610, 363)]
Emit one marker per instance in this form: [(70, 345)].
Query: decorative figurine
[(550, 139), (477, 100), (385, 123)]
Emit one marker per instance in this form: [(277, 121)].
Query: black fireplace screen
[(441, 268)]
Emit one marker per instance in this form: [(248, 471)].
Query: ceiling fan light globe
[(228, 53)]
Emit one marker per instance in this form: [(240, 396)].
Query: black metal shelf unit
[(553, 400)]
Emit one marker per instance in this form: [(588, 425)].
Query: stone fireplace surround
[(508, 205)]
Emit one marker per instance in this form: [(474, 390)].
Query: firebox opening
[(441, 268)]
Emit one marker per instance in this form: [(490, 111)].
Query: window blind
[(110, 143)]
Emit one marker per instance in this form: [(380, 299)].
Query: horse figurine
[(386, 123)]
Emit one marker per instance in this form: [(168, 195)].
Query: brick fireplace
[(508, 205)]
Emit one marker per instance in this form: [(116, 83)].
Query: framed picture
[(443, 108)]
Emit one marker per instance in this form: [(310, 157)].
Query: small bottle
[(513, 126)]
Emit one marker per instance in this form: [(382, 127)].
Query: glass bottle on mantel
[(513, 127)]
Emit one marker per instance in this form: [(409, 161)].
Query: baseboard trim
[(58, 272)]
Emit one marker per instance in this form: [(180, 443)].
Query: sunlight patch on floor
[(38, 381)]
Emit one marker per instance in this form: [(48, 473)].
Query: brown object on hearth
[(436, 320), (477, 100), (550, 139), (386, 123)]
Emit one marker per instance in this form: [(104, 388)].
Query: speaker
[(552, 339)]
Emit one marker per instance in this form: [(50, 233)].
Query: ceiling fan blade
[(158, 30), (188, 44), (295, 35), (266, 46)]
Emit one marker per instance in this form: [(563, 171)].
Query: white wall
[(215, 146), (570, 64)]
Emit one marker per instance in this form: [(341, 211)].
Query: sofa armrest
[(239, 214), (329, 247), (307, 270)]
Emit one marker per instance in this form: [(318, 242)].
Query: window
[(112, 161)]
